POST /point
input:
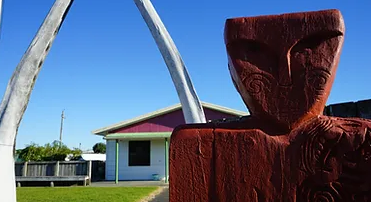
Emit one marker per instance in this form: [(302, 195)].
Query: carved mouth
[(294, 114), (292, 111)]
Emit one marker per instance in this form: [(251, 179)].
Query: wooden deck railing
[(52, 171)]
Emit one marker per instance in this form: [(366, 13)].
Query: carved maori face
[(284, 65)]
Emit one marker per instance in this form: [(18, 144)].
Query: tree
[(32, 152), (99, 148), (49, 152)]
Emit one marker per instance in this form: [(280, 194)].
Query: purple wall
[(167, 122)]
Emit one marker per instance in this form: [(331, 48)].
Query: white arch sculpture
[(20, 86)]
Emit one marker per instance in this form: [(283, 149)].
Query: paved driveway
[(129, 184), (162, 197)]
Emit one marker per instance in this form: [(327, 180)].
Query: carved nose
[(284, 71)]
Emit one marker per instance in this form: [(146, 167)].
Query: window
[(139, 153)]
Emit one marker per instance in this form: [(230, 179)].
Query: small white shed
[(93, 157)]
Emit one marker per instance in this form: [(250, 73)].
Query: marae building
[(137, 149)]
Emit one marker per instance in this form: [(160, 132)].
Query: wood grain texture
[(325, 159), (283, 66), (285, 77), (19, 89)]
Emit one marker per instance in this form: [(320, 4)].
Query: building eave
[(102, 131), (105, 130), (224, 109), (136, 136)]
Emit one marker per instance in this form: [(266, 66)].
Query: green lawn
[(82, 194)]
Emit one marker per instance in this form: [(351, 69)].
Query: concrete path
[(162, 197), (130, 184)]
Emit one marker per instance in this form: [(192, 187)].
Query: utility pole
[(61, 131)]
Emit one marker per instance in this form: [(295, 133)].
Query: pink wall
[(167, 122)]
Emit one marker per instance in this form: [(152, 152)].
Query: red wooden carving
[(283, 66)]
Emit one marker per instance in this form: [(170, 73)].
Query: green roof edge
[(141, 135)]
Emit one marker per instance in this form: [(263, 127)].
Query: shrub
[(55, 151)]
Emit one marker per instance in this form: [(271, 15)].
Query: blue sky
[(104, 66)]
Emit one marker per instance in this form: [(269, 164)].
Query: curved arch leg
[(191, 105), (18, 92)]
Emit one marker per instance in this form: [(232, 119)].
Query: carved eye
[(255, 53), (301, 54), (313, 41), (311, 57), (245, 49), (252, 47), (306, 47)]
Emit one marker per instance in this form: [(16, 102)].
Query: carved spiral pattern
[(346, 141), (318, 79), (256, 83), (322, 196), (310, 192), (313, 147)]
